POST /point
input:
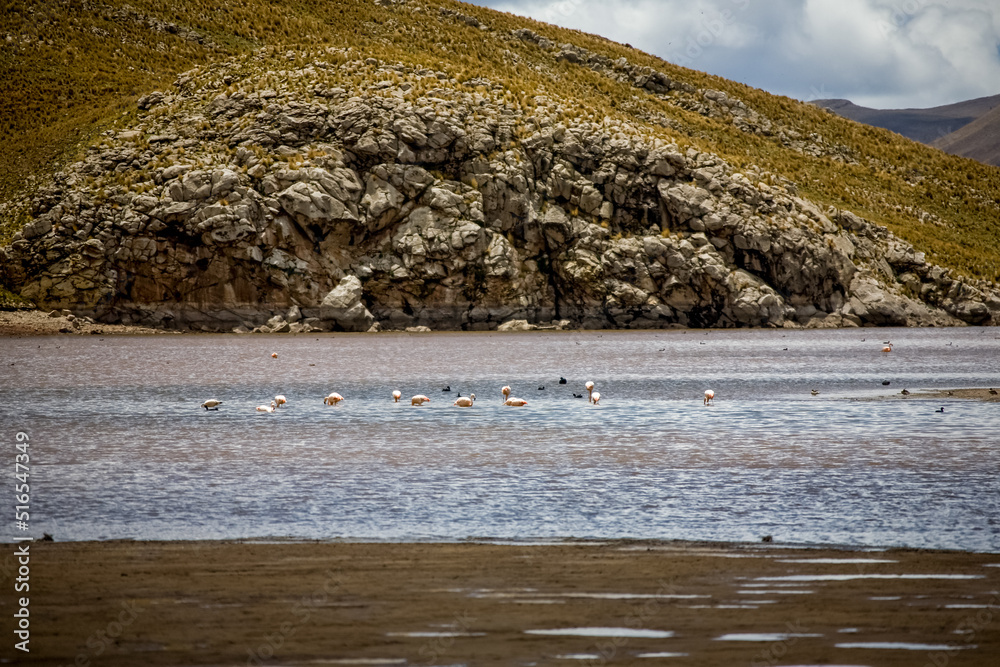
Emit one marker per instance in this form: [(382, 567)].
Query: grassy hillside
[(71, 70)]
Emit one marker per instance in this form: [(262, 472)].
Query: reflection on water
[(121, 448)]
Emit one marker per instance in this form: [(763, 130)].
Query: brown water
[(121, 448)]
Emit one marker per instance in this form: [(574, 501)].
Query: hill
[(213, 164), (979, 140), (923, 125)]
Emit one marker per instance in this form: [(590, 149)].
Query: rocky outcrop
[(302, 206), (344, 307)]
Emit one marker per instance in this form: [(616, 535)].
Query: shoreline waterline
[(633, 543)]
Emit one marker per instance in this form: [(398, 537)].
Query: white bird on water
[(333, 399), (590, 391), (419, 399), (596, 397), (266, 408), (396, 395), (211, 404), (709, 396), (280, 400), (515, 402), (465, 402), (505, 390)]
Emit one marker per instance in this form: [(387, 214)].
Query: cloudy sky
[(878, 53)]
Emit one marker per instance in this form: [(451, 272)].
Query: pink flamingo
[(465, 402)]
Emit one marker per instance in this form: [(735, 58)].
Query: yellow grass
[(70, 72)]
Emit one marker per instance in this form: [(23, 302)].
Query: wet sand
[(234, 603), (986, 394)]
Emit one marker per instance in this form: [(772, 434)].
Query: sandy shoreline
[(988, 394), (236, 603), (38, 323)]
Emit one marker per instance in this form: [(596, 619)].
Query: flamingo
[(274, 355), (280, 400), (419, 399), (515, 402), (590, 391), (464, 402), (887, 347), (396, 395), (709, 396), (596, 397), (333, 399), (266, 408), (211, 404), (506, 392)]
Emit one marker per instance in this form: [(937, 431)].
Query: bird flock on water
[(593, 397), (334, 398)]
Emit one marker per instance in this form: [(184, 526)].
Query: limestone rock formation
[(230, 203)]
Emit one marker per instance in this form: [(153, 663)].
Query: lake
[(120, 447)]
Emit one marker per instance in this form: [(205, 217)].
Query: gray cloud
[(879, 53)]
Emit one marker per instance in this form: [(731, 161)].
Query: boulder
[(343, 307), (516, 325)]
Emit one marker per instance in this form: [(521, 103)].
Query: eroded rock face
[(349, 212)]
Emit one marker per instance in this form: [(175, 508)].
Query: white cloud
[(881, 53)]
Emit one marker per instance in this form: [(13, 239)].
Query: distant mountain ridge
[(979, 140), (969, 129)]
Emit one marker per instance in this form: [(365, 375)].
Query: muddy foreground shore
[(232, 603)]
